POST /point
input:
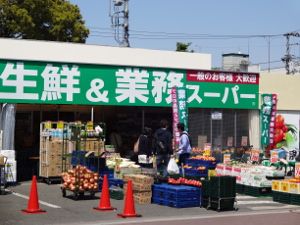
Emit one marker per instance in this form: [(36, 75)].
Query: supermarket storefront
[(220, 103)]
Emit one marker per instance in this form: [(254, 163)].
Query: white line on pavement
[(41, 202), (273, 207), (186, 218), (256, 202), (244, 197)]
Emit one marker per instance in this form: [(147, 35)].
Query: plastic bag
[(144, 159), (136, 146), (173, 167)]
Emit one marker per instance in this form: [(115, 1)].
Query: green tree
[(183, 47), (54, 20)]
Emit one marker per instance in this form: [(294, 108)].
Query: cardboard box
[(139, 187), (276, 185), (294, 188), (51, 170), (138, 178), (142, 200), (284, 186), (127, 170), (228, 170), (10, 154), (138, 193)]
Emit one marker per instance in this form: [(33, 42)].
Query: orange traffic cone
[(129, 209), (33, 202), (104, 203)]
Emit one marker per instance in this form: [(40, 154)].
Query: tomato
[(279, 121)]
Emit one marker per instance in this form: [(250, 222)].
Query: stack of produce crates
[(240, 188), (286, 191), (178, 196), (222, 193), (141, 185), (198, 168), (205, 193)]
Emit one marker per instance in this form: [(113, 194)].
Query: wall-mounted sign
[(83, 84), (216, 115)]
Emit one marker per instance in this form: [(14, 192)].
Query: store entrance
[(127, 121)]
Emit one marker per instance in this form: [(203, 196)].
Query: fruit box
[(284, 186), (294, 188), (142, 200), (276, 185), (139, 187), (138, 179)]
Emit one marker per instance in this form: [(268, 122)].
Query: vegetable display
[(80, 179), (285, 134), (185, 181)]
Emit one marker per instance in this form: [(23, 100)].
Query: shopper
[(145, 146), (184, 148), (163, 146), (116, 139)]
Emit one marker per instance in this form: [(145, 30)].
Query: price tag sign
[(254, 155), (90, 126), (297, 170), (48, 125), (60, 125), (244, 141), (274, 157), (207, 149), (226, 158), (229, 141)]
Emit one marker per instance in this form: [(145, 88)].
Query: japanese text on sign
[(58, 83)]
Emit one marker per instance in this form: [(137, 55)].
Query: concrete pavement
[(68, 211)]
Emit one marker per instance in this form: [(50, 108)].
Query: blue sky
[(197, 17)]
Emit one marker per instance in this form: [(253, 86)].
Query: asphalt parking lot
[(68, 211)]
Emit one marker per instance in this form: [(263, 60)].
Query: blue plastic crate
[(109, 173), (95, 164), (194, 172), (166, 191), (78, 158), (176, 204), (200, 162)]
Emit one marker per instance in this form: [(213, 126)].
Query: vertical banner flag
[(268, 113), (175, 115), (179, 108)]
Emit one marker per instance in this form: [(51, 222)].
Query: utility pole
[(269, 53), (119, 14), (288, 58)]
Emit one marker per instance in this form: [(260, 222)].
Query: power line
[(163, 33)]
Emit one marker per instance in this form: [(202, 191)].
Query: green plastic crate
[(204, 202), (205, 188), (295, 199), (240, 188), (116, 194), (222, 204), (257, 191), (281, 197), (222, 187)]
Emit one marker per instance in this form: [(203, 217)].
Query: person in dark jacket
[(163, 146), (146, 142)]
